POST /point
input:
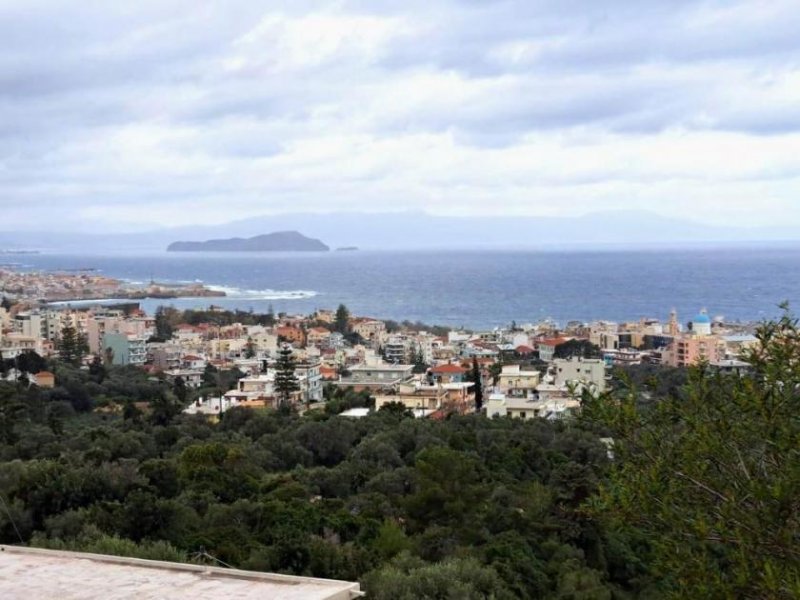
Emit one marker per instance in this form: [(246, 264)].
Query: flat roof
[(32, 573), (381, 367)]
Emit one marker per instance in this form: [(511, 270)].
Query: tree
[(163, 408), (12, 412), (286, 383), (97, 371), (250, 348), (420, 366), (30, 362), (108, 357), (164, 318), (409, 577), (210, 375), (71, 345), (342, 321), (577, 348), (179, 389), (711, 476), (495, 369), (476, 379), (6, 303)]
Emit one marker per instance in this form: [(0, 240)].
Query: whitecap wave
[(234, 292)]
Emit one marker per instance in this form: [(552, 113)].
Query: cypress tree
[(476, 378), (286, 382), (342, 322)]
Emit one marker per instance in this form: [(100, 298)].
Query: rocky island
[(279, 241)]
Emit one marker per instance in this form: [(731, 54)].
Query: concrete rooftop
[(34, 574)]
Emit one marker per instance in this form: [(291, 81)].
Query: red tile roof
[(448, 369), (552, 341), (328, 372)]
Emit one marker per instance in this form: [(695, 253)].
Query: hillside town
[(523, 371)]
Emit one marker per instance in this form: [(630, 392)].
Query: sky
[(124, 116)]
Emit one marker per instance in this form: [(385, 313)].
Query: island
[(347, 249), (279, 241)]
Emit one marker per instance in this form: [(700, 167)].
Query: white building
[(589, 373), (500, 405), (519, 383)]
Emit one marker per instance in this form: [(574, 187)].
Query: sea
[(472, 289)]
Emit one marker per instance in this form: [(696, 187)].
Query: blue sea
[(473, 289)]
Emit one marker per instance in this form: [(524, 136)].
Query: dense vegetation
[(406, 505), (699, 501)]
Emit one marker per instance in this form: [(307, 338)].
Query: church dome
[(702, 318)]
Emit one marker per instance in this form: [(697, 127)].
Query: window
[(522, 414)]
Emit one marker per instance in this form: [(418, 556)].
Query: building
[(517, 382), (324, 315), (43, 379), (261, 387), (688, 349), (192, 378), (165, 356), (317, 336), (293, 335), (736, 345), (547, 348), (731, 366), (31, 324), (583, 373), (35, 573), (452, 397), (419, 397), (15, 344), (623, 357), (125, 349), (309, 376), (376, 377), (500, 405), (448, 373), (399, 349), (370, 330), (99, 325), (701, 324)]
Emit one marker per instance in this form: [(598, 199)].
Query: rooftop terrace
[(32, 574)]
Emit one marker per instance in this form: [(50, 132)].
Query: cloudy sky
[(126, 115)]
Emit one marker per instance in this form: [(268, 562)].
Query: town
[(522, 371), (86, 284)]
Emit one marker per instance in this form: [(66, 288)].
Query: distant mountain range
[(421, 231), (279, 241)]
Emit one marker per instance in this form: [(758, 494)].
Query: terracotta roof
[(552, 341), (191, 357), (448, 369), (524, 349), (328, 372)]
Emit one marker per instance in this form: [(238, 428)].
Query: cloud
[(177, 112)]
